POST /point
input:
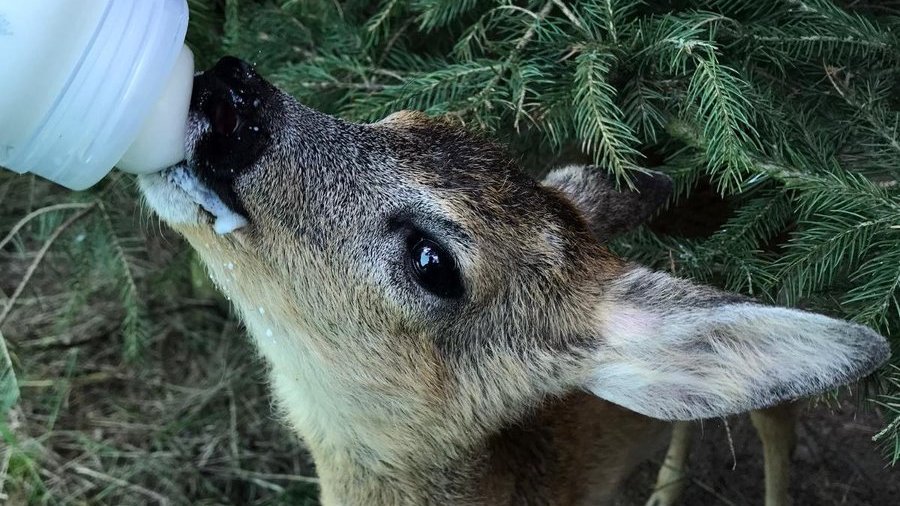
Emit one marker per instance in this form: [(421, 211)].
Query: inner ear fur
[(672, 349)]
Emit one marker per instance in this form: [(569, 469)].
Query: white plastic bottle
[(92, 84)]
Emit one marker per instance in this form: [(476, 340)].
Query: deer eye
[(433, 268)]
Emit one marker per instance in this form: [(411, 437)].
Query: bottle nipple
[(160, 143)]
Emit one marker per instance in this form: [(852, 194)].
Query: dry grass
[(187, 421)]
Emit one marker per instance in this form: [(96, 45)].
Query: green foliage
[(889, 437), (598, 121), (99, 245), (9, 394), (136, 385), (9, 387)]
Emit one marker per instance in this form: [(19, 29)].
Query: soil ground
[(835, 463)]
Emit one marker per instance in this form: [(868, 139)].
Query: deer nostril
[(225, 119), (231, 94)]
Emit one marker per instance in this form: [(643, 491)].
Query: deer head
[(413, 291)]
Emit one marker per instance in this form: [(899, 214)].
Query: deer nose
[(234, 71), (230, 94)]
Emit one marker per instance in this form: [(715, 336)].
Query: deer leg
[(672, 477), (775, 427)]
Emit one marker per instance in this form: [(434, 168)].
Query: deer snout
[(230, 95), (230, 127)]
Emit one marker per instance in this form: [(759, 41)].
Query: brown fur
[(490, 397)]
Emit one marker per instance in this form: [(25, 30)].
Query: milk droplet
[(230, 266), (227, 221), (268, 332), (261, 310)]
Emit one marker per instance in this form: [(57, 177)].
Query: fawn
[(441, 328)]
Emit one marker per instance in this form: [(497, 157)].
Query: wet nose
[(230, 94), (233, 100), (234, 71)]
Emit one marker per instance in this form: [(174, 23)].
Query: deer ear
[(609, 211), (674, 350)]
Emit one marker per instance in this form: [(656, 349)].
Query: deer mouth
[(180, 198), (225, 219)]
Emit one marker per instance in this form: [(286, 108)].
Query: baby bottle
[(92, 84)]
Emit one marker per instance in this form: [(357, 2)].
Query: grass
[(184, 419)]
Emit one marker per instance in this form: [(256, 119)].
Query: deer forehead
[(428, 171), (315, 258)]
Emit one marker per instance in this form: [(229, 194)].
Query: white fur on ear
[(673, 350)]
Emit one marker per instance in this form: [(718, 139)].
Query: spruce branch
[(642, 109), (435, 14), (599, 122), (576, 21), (133, 327), (754, 223), (889, 436), (824, 248), (377, 25), (722, 109), (876, 294), (608, 17), (38, 258), (442, 91), (479, 100), (873, 116)]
